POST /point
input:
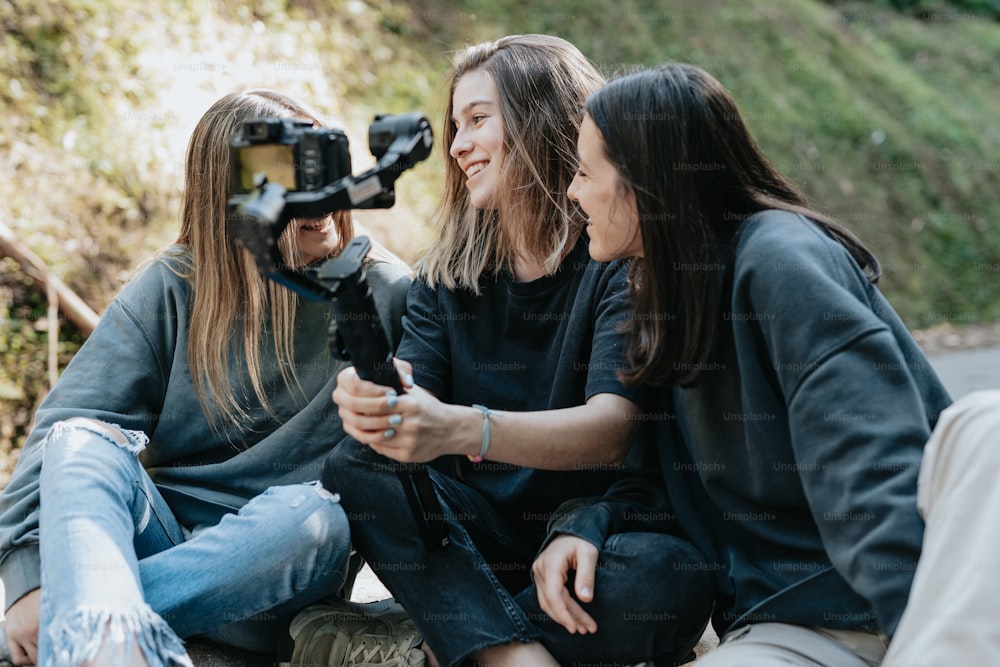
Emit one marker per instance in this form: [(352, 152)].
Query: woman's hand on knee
[(551, 571), (22, 629)]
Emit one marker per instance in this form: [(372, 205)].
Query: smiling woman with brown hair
[(512, 337)]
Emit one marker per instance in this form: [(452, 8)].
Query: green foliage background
[(884, 112)]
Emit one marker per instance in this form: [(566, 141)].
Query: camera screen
[(275, 160)]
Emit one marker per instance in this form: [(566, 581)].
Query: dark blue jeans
[(653, 594)]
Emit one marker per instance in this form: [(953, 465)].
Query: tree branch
[(76, 309)]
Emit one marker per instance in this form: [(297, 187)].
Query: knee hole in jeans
[(128, 439)]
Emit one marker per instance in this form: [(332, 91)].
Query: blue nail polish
[(396, 420), (392, 400), (389, 433), (408, 380)]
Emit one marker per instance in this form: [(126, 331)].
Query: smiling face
[(316, 238), (478, 145), (613, 218)]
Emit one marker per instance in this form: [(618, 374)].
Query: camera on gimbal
[(284, 169), (292, 153)]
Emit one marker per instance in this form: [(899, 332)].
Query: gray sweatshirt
[(133, 371), (792, 462)]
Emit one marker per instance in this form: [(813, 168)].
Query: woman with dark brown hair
[(801, 439), (169, 486)]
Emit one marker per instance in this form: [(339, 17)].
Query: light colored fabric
[(776, 644), (953, 613)]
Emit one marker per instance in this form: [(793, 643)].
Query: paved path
[(965, 371)]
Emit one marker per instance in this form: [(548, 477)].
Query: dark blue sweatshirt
[(546, 344)]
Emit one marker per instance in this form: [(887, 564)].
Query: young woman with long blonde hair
[(169, 487)]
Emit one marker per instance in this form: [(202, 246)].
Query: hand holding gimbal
[(283, 169)]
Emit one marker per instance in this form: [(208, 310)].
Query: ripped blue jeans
[(117, 568)]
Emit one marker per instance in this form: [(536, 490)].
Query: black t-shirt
[(546, 344)]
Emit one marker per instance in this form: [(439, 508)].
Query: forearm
[(636, 502), (417, 427), (596, 434)]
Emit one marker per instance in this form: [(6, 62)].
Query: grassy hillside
[(885, 113)]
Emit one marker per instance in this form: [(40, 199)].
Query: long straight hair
[(678, 141), (226, 285), (542, 82)]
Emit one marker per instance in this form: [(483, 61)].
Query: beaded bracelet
[(486, 434)]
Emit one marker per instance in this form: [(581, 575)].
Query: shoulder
[(800, 290), (770, 234), (420, 291), (607, 280), (790, 250), (439, 297), (615, 275), (164, 277), (389, 283), (605, 285)]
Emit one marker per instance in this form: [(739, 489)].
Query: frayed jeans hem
[(79, 636)]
